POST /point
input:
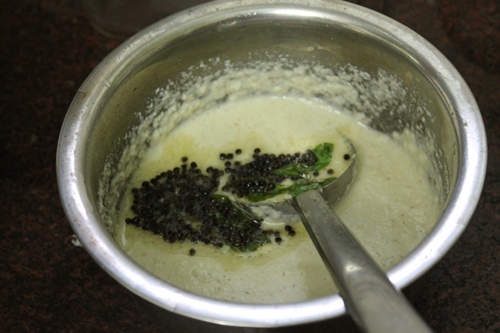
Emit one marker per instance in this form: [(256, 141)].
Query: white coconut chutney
[(390, 207)]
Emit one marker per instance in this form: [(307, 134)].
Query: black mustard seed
[(183, 204)]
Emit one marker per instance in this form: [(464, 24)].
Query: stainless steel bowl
[(332, 32)]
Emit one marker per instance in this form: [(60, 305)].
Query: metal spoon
[(370, 298)]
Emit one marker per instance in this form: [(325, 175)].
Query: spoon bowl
[(331, 192)]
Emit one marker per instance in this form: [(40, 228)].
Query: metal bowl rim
[(97, 241)]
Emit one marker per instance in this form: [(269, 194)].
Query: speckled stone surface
[(47, 48)]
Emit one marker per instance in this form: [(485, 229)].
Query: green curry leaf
[(300, 186), (322, 152)]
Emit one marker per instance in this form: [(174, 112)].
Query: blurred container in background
[(119, 19)]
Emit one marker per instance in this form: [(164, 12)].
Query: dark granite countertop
[(49, 285)]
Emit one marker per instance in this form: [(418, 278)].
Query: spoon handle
[(370, 298)]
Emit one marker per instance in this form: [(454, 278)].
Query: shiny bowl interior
[(330, 32)]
